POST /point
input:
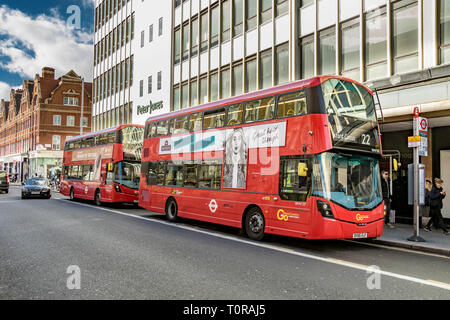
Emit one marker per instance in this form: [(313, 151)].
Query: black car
[(4, 181), (36, 188)]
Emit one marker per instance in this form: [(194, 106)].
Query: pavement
[(435, 241)]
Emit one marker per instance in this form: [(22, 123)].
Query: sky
[(44, 33)]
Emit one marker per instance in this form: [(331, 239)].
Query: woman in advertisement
[(235, 167)]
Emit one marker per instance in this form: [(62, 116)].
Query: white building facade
[(132, 39), (152, 50)]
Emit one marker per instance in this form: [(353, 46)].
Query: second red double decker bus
[(299, 160), (104, 166)]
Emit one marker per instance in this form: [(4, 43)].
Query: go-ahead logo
[(284, 216), (361, 217)]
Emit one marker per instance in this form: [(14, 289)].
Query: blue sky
[(36, 34)]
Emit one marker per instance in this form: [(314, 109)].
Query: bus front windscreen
[(127, 174), (351, 115), (352, 182)]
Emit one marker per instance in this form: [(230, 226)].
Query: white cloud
[(5, 90), (51, 41)]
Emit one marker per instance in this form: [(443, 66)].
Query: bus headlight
[(325, 209), (117, 188)]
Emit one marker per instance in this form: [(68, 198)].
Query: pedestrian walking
[(437, 194), (387, 197), (425, 209)]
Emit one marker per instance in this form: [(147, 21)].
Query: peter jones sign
[(149, 108)]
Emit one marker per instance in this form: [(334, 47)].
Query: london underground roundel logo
[(424, 124), (213, 206)]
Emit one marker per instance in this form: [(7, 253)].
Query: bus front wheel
[(254, 224), (72, 195), (171, 210)]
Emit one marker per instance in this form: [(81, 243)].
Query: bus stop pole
[(416, 237)]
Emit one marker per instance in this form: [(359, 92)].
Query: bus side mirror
[(302, 169)]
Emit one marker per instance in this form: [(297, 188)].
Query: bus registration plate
[(359, 235)]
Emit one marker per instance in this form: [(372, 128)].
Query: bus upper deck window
[(103, 139), (111, 138), (162, 128), (235, 115), (259, 110), (214, 119), (150, 130), (179, 125), (195, 122), (292, 104)]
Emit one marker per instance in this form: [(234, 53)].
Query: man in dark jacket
[(385, 187), (437, 194)]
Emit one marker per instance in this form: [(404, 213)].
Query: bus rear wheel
[(254, 224), (172, 210), (97, 198)]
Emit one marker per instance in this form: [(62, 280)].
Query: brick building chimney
[(48, 73)]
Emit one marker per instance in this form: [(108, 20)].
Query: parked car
[(4, 182), (36, 188)]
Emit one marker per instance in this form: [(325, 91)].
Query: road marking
[(432, 283)]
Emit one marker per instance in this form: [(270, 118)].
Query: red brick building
[(38, 118)]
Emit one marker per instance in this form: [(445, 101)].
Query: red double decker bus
[(299, 160), (104, 166)]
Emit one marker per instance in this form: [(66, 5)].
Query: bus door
[(292, 210), (108, 181)]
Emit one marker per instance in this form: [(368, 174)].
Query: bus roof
[(108, 130), (296, 85)]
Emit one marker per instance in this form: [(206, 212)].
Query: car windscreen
[(36, 182)]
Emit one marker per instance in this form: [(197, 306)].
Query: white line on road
[(348, 264)]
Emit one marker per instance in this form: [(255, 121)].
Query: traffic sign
[(414, 142)]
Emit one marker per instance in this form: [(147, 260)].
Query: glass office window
[(184, 96), (405, 36), (376, 44), (185, 42), (238, 7), (194, 37), (194, 95), (237, 87), (250, 14), (350, 58), (265, 71), (327, 52), (265, 6), (444, 31), (250, 76), (282, 64), (204, 32), (214, 87), (203, 98), (226, 21), (225, 83), (176, 99), (214, 27), (307, 57), (282, 7)]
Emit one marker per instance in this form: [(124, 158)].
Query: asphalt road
[(120, 252)]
